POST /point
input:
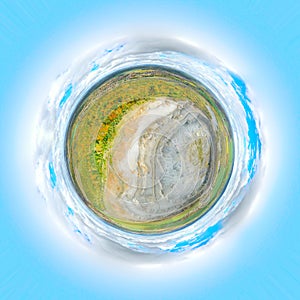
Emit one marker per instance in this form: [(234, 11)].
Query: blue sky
[(259, 258)]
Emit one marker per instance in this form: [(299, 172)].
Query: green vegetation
[(106, 135)]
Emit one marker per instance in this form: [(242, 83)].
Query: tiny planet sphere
[(149, 144)]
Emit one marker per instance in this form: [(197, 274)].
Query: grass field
[(96, 124)]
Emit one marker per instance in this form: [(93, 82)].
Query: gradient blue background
[(260, 259)]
